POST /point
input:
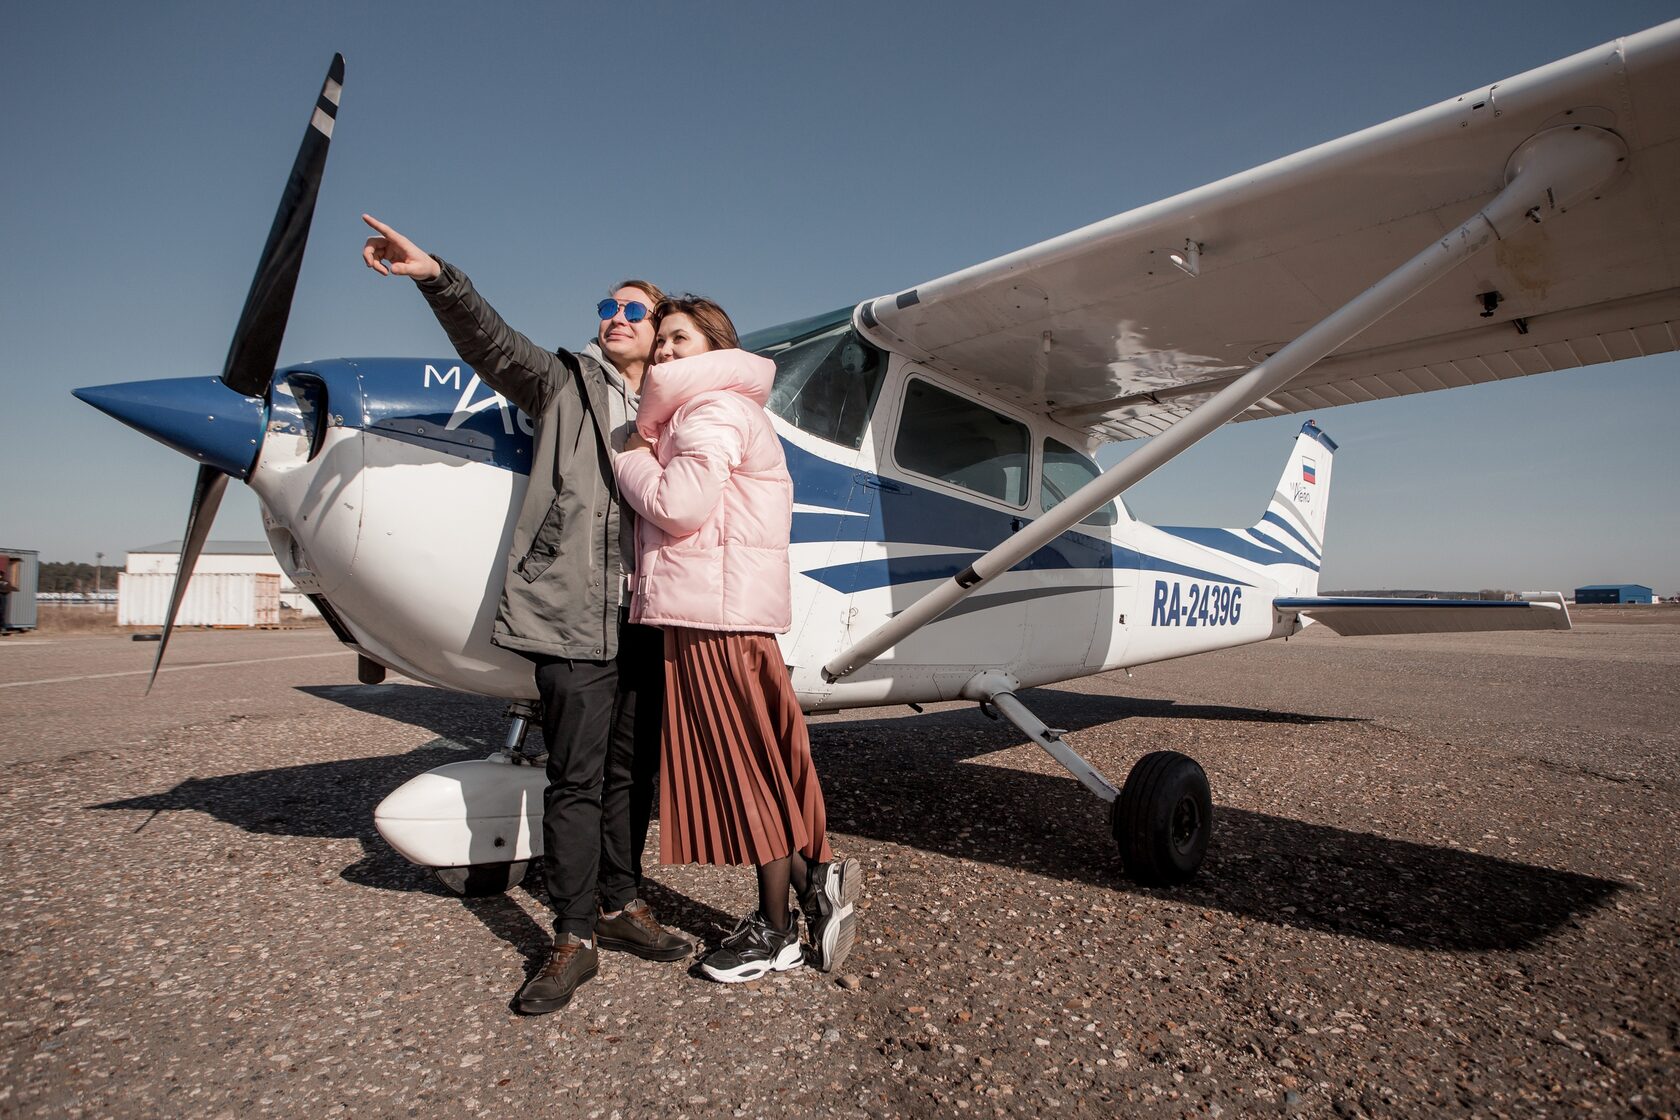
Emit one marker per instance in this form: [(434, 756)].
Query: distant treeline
[(64, 576)]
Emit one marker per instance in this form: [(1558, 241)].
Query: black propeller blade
[(262, 324), (256, 341), (207, 498)]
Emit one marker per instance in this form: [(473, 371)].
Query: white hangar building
[(236, 583)]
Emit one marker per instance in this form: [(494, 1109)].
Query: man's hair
[(654, 291), (710, 319)]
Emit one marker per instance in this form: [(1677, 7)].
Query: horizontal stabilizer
[(1359, 616)]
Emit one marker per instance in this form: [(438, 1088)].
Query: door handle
[(876, 482)]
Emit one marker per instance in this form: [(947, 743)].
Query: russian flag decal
[(1308, 474)]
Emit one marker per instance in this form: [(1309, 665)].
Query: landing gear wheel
[(1163, 818), (481, 880)]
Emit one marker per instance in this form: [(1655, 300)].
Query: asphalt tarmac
[(1443, 882)]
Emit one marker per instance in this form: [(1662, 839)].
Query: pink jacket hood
[(670, 385), (713, 498)]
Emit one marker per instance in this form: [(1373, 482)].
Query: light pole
[(98, 568)]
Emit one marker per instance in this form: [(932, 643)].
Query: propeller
[(262, 324)]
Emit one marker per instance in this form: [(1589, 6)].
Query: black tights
[(773, 881)]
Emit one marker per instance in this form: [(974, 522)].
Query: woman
[(707, 476)]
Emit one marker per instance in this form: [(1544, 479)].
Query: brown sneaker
[(635, 930), (569, 964)]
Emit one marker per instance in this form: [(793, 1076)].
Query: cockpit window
[(826, 384), (959, 441), (1066, 470)]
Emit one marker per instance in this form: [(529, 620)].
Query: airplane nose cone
[(197, 416)]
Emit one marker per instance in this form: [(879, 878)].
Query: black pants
[(601, 723)]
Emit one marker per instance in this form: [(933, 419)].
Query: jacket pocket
[(545, 544)]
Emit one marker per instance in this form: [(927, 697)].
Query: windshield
[(827, 381)]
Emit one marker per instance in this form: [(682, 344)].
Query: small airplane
[(953, 537)]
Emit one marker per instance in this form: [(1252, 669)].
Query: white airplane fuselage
[(397, 511)]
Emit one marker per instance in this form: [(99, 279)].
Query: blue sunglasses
[(634, 309)]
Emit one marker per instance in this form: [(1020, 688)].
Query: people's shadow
[(915, 782), (513, 923), (335, 800), (473, 725)]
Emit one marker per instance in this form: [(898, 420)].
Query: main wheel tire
[(1163, 819), (481, 880)]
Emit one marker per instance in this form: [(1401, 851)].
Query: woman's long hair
[(708, 318)]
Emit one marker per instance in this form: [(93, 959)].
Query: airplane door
[(1079, 605), (952, 483)]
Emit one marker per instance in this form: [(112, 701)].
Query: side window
[(956, 440), (1066, 470), (826, 385)]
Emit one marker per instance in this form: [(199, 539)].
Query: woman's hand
[(635, 442), (391, 252)]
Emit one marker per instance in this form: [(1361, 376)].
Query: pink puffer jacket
[(714, 496)]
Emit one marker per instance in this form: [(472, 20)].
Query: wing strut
[(998, 689), (1551, 171)]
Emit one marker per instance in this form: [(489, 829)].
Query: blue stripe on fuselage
[(903, 513), (1224, 540), (1274, 519), (433, 403)]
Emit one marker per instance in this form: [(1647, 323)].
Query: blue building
[(1613, 593)]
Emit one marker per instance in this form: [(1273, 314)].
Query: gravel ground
[(1443, 882)]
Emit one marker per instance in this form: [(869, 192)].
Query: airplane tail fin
[(1294, 521)]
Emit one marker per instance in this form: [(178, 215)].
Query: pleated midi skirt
[(737, 784)]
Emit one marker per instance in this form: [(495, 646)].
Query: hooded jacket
[(561, 594), (713, 495)]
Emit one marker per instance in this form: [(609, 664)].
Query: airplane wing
[(1349, 615), (1100, 329)]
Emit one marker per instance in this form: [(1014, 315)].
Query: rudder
[(1295, 518)]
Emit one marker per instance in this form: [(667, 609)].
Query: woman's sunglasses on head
[(634, 309)]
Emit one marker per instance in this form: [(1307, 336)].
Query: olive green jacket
[(561, 593)]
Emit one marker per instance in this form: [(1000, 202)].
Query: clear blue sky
[(783, 158)]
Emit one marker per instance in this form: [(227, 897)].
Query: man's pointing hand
[(391, 252)]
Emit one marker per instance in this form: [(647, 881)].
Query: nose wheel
[(1163, 819), (481, 880)]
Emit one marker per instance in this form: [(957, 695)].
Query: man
[(564, 607)]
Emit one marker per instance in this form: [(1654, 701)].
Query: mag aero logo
[(471, 403)]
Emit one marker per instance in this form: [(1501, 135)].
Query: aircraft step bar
[(998, 689), (1550, 172)]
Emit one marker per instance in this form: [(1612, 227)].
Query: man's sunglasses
[(634, 309)]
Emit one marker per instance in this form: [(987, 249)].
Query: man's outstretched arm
[(506, 360)]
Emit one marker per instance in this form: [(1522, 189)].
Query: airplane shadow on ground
[(1259, 866), (912, 782)]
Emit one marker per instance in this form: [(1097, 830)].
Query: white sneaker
[(753, 949), (830, 905)]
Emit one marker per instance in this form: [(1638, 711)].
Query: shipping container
[(212, 599), (22, 569)]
